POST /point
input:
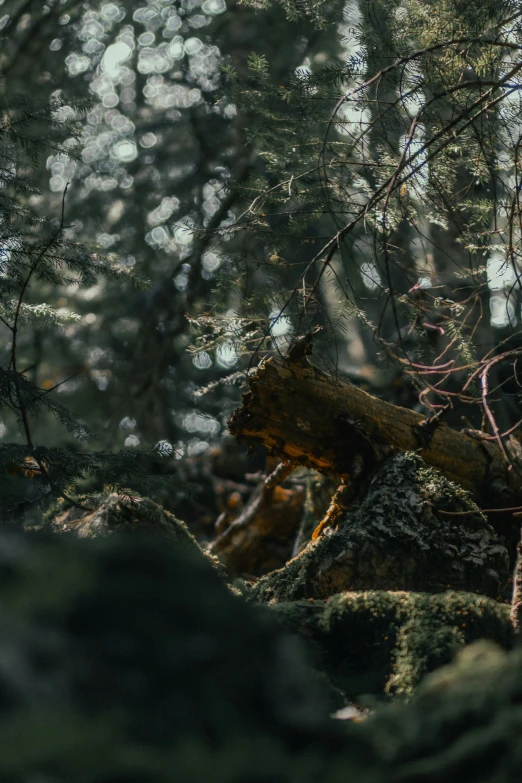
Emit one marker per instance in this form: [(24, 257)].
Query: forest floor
[(239, 646)]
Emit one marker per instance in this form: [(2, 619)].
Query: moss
[(385, 642), (116, 514), (463, 726), (399, 538), (436, 627)]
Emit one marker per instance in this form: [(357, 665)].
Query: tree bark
[(305, 417)]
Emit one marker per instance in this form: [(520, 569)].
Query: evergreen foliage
[(388, 200), (38, 251), (269, 167)]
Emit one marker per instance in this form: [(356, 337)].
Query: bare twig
[(516, 601)]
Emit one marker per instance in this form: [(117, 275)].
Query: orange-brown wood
[(305, 417)]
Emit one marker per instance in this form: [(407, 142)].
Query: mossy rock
[(385, 642), (399, 538)]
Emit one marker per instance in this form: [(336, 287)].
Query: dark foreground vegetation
[(129, 658)]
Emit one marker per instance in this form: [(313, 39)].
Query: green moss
[(111, 513), (385, 642), (399, 539), (436, 627), (463, 726)]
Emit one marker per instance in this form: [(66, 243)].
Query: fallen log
[(305, 417)]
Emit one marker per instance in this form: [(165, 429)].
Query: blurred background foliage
[(243, 159), (159, 151)]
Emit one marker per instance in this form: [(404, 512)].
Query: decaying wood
[(260, 539), (305, 417)]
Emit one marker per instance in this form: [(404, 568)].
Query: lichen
[(399, 538)]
